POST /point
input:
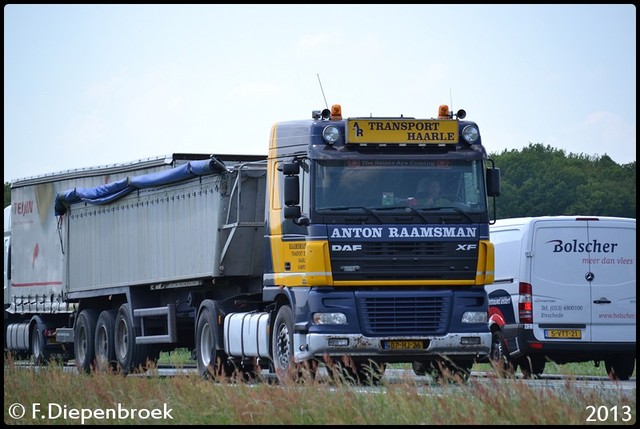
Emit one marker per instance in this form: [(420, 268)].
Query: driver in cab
[(428, 192)]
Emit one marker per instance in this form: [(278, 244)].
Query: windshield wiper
[(459, 210), (364, 209), (407, 208)]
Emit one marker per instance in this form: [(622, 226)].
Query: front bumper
[(464, 345)]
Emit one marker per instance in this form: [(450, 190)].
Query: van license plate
[(563, 333), (397, 344)]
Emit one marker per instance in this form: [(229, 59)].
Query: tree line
[(540, 180)]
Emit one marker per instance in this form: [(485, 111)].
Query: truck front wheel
[(282, 344), (444, 370), (349, 371)]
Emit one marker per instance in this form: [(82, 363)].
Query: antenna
[(451, 100), (325, 98)]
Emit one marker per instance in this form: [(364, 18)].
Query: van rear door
[(583, 290), (613, 287)]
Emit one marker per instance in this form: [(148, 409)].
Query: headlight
[(330, 319), (331, 134), (470, 134), (475, 317)]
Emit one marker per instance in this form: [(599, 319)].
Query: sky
[(93, 85)]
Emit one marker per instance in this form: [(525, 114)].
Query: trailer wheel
[(104, 341), (620, 367), (83, 340), (128, 354)]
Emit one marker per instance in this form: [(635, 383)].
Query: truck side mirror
[(290, 168), (291, 171), (292, 212), (493, 182), (291, 191)]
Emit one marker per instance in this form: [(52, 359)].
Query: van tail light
[(525, 303)]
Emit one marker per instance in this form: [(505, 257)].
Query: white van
[(564, 290)]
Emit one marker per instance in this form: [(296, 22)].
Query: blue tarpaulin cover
[(112, 191)]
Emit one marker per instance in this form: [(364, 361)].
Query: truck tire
[(356, 372), (459, 370), (444, 370), (620, 367), (372, 373), (419, 368), (39, 354), (83, 340), (104, 341), (129, 355), (212, 363), (282, 344)]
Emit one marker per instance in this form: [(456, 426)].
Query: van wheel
[(499, 357), (620, 367), (532, 366)]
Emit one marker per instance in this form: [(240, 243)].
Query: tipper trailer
[(323, 251)]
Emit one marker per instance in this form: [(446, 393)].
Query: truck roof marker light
[(470, 134), (331, 134), (336, 112), (443, 112)]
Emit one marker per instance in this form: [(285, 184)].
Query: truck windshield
[(380, 184)]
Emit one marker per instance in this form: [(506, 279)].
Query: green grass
[(80, 398), (177, 357), (570, 369), (181, 357)]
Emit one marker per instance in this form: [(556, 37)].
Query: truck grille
[(406, 261), (395, 315)]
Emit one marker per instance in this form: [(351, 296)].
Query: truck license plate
[(403, 344), (563, 333)]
